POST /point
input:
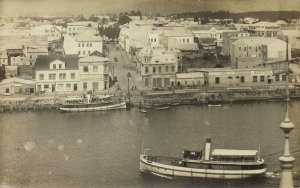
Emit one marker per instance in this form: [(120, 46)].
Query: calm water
[(101, 149)]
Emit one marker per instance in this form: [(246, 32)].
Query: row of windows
[(247, 55), (52, 76), (183, 40), (83, 52), (95, 68), (249, 48), (87, 44), (152, 40), (59, 87), (160, 69), (59, 66), (254, 78)]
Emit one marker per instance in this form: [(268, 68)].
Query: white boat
[(81, 107), (91, 104), (219, 164)]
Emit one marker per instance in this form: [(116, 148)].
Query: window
[(87, 44), (277, 78), (52, 76), (217, 80), (95, 85), (72, 75), (167, 69), (90, 44), (78, 44), (283, 77), (59, 66), (245, 49), (83, 52), (68, 86), (30, 56), (146, 70), (95, 68), (240, 48), (46, 86), (154, 70), (75, 87), (54, 66), (242, 79), (187, 40), (79, 52), (173, 69), (62, 76), (82, 44), (262, 78), (85, 69), (183, 40), (254, 78), (159, 70), (85, 86), (41, 77)]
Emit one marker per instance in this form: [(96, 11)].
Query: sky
[(164, 7)]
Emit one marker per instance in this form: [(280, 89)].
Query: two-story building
[(264, 29), (179, 38), (158, 66), (53, 32), (252, 52), (72, 28), (93, 73), (56, 73), (83, 45)]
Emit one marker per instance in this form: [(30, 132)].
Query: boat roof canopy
[(232, 152)]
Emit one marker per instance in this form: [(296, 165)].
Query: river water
[(101, 149)]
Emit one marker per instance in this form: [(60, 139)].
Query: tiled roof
[(17, 80), (43, 61), (90, 38)]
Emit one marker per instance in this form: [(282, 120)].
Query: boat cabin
[(228, 155), (192, 155)]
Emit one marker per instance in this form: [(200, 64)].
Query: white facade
[(93, 73), (72, 28), (83, 45), (53, 32), (56, 78)]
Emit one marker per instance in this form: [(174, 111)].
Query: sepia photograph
[(149, 93)]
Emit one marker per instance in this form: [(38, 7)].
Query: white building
[(56, 73), (83, 45), (72, 28), (93, 73), (53, 32)]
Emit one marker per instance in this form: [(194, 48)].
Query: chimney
[(207, 149)]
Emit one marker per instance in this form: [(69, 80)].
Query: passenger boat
[(220, 164), (97, 103)]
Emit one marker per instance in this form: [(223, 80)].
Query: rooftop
[(232, 152), (92, 59), (43, 61)]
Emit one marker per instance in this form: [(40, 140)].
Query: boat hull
[(179, 171), (83, 108)]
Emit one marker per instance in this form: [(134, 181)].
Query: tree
[(2, 73), (123, 20)]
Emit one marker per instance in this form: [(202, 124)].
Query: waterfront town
[(146, 58), (184, 77)]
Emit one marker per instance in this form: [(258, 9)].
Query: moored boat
[(91, 104), (220, 164)]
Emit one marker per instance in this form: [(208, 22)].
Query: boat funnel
[(207, 149)]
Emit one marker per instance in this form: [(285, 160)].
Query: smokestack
[(207, 149)]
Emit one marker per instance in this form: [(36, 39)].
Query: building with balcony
[(264, 29), (158, 66)]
